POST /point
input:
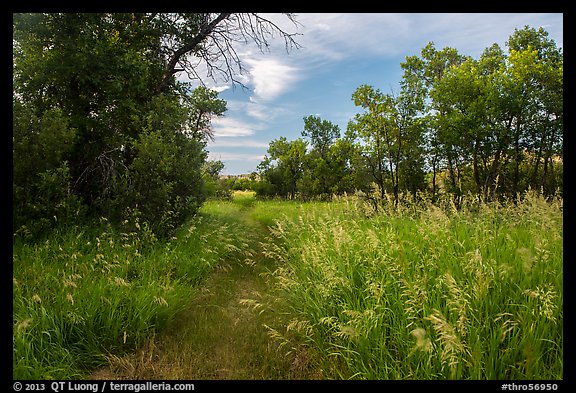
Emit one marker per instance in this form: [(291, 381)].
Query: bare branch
[(215, 45), (188, 47)]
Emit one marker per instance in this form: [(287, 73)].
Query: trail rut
[(221, 335)]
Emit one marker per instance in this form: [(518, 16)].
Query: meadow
[(83, 295), (423, 292), (414, 291)]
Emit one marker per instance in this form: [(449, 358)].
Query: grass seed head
[(423, 343)]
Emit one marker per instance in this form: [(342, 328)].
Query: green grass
[(423, 292), (221, 333), (413, 292), (85, 294)]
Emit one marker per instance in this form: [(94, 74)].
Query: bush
[(45, 203), (41, 182), (166, 182)]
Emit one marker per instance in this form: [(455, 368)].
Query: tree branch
[(190, 46), (214, 45)]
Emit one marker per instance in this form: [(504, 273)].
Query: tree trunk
[(516, 176), (489, 186), (451, 171), (433, 179), (475, 167), (536, 165), (548, 159)]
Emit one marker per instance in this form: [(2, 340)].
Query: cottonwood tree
[(322, 173), (387, 130), (502, 114), (430, 68), (284, 165), (534, 77)]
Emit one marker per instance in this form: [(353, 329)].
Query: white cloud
[(261, 111), (270, 77), (234, 142), (200, 68), (226, 156), (220, 89), (230, 127), (332, 37), (329, 37), (258, 110)]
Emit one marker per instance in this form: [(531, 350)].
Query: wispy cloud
[(333, 37), (330, 37), (258, 112), (234, 142), (227, 156), (338, 50), (338, 36), (232, 127)]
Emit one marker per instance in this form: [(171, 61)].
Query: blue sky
[(339, 53)]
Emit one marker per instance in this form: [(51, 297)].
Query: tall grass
[(85, 294), (422, 292), (413, 291)]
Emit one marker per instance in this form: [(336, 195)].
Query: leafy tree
[(204, 104), (492, 126), (41, 189), (373, 128), (424, 73), (499, 110), (536, 67), (213, 184), (391, 137), (322, 133), (340, 157), (321, 175), (163, 180), (283, 167), (113, 78), (460, 94), (411, 124)]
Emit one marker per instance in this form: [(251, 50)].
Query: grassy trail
[(220, 335), (287, 290)]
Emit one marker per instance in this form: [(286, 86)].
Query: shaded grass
[(221, 334), (86, 294)]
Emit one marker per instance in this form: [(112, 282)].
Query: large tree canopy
[(100, 93)]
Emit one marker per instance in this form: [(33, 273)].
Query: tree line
[(491, 126)]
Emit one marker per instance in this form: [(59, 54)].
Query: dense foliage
[(491, 126), (104, 290), (102, 124)]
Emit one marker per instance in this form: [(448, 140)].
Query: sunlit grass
[(426, 293), (408, 292)]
